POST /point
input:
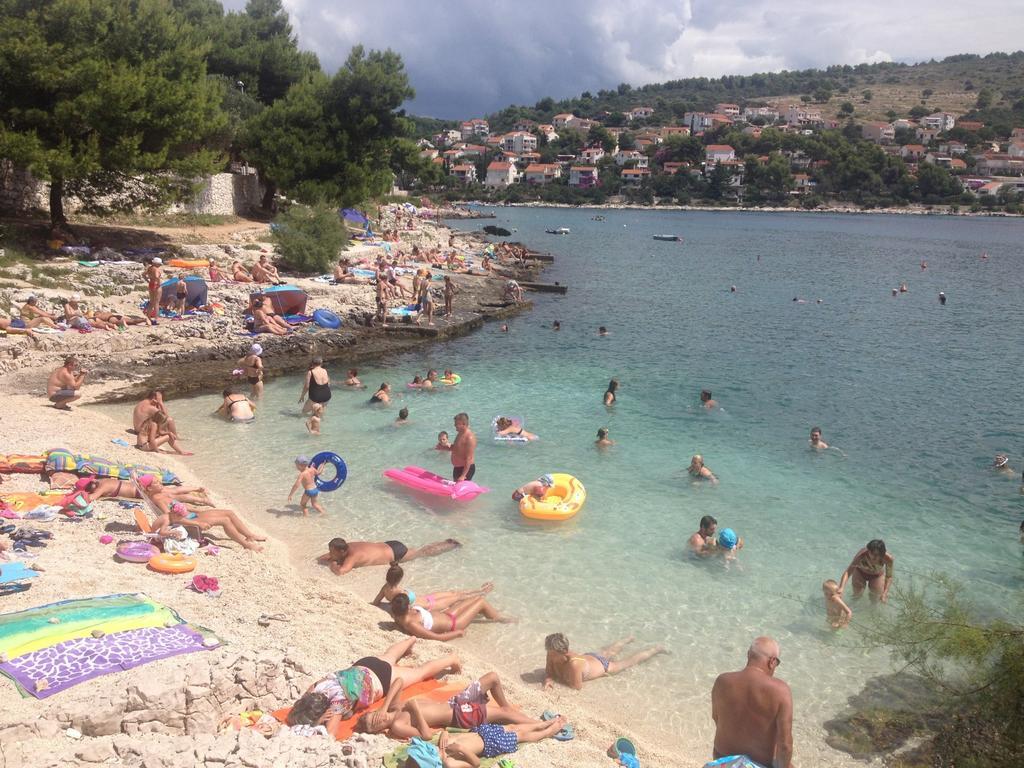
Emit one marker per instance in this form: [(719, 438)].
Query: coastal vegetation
[(308, 238)]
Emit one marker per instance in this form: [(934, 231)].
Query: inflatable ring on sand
[(165, 563), (326, 319), (339, 467), (136, 551)]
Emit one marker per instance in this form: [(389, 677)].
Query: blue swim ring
[(326, 319), (341, 471)]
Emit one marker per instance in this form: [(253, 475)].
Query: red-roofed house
[(729, 110), (673, 168), (880, 133), (970, 125), (562, 120), (698, 122), (673, 130), (519, 142), (501, 174), (547, 130), (912, 152), (634, 176), (719, 153), (633, 156), (639, 113), (524, 125), (592, 155), (939, 121), (583, 176), (475, 127), (542, 173), (956, 165), (803, 184), (464, 172)]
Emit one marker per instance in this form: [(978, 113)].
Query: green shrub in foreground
[(309, 239)]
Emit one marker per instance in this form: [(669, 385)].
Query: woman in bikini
[(239, 273), (871, 567), (450, 624), (434, 601), (382, 395), (153, 276), (346, 692), (236, 407), (574, 669), (153, 433), (508, 428), (112, 488)]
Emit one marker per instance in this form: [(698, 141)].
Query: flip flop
[(264, 620), (568, 733)]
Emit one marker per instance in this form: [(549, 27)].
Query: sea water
[(918, 396)]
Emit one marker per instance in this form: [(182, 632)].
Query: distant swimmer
[(382, 395), (903, 288), (603, 441), (353, 379), (798, 300), (699, 471), (924, 264), (403, 417), (609, 394), (556, 326), (706, 401), (942, 298), (574, 669), (1001, 464), (732, 289), (816, 442), (538, 488), (504, 328), (984, 256), (818, 301), (895, 292), (602, 331)]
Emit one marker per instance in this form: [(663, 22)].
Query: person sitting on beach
[(30, 312), (15, 326), (342, 556), (753, 712), (145, 408), (1001, 464), (435, 600), (239, 273), (382, 395), (706, 401), (74, 314), (307, 477), (871, 567), (403, 418), (154, 432), (506, 427), (215, 273), (353, 379), (573, 669), (442, 442), (265, 320), (703, 542), (263, 271), (343, 274), (418, 621), (468, 709), (174, 512), (347, 692), (63, 385), (609, 394), (538, 488), (815, 442), (465, 750), (236, 407), (252, 368), (837, 612), (699, 472), (603, 441)]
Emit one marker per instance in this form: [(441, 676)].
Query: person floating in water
[(403, 417), (556, 326), (706, 401), (538, 488), (574, 669), (603, 441), (942, 298), (701, 472)]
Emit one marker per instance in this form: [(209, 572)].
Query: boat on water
[(559, 231), (669, 238)]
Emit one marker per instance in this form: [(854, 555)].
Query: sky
[(466, 58)]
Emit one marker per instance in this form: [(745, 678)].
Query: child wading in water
[(839, 613), (442, 442), (307, 479), (313, 423)]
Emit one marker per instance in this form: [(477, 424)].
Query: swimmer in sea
[(382, 395), (815, 440), (403, 417), (706, 401), (699, 471), (603, 441), (504, 328), (609, 395), (315, 415), (307, 479), (236, 406), (508, 428), (538, 488), (353, 379), (1001, 464), (556, 326), (703, 542), (942, 298), (442, 442), (602, 331)]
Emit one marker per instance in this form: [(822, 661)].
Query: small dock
[(546, 287)]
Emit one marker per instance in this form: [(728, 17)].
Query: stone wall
[(223, 194)]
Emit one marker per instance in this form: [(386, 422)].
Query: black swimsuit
[(319, 393)]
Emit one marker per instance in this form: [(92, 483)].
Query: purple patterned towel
[(74, 661)]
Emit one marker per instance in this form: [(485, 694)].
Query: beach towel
[(24, 502), (434, 690), (47, 671), (24, 463), (16, 571)]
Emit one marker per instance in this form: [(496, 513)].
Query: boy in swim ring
[(442, 442), (603, 441), (837, 612), (403, 418), (537, 488), (307, 479), (316, 411)]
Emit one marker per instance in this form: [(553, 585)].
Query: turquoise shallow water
[(918, 396)]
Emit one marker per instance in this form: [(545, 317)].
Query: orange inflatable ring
[(165, 563)]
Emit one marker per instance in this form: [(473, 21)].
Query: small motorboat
[(559, 231), (669, 238)]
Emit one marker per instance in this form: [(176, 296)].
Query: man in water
[(603, 441), (1001, 463), (342, 556), (753, 712), (703, 543), (153, 402), (463, 450), (942, 298), (816, 442), (706, 401), (63, 385)]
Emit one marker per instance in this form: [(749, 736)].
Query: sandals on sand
[(264, 620), (568, 733)]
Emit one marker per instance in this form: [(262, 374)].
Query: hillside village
[(736, 154)]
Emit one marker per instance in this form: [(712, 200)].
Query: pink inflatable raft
[(420, 479)]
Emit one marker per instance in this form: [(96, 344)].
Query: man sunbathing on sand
[(342, 556), (574, 669), (468, 709), (466, 749)]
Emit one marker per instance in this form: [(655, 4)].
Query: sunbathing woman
[(339, 696), (506, 427), (173, 512), (239, 274), (574, 669), (452, 623), (153, 433), (112, 488), (467, 709), (438, 600)]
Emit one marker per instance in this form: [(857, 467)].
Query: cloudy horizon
[(471, 60)]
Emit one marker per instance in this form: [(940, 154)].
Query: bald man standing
[(753, 712)]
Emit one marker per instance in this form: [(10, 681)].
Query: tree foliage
[(309, 238), (94, 92)]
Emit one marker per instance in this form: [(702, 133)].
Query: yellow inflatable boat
[(562, 501)]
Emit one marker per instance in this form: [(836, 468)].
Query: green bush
[(309, 239)]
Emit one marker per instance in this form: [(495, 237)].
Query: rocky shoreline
[(910, 210)]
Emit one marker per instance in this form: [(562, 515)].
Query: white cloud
[(466, 58)]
